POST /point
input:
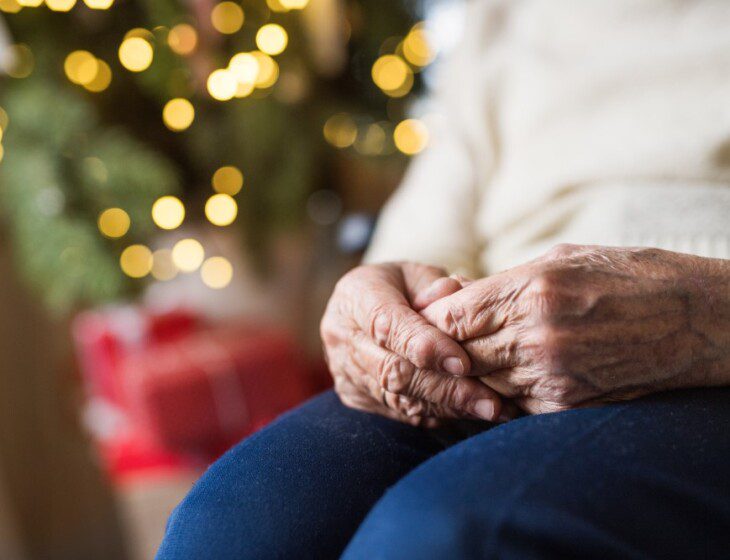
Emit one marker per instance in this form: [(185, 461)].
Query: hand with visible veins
[(585, 325), (386, 358)]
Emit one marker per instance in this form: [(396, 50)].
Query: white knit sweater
[(583, 121)]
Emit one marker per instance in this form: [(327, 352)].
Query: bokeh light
[(30, 3), (182, 39), (136, 261), (227, 180), (410, 136), (222, 85), (10, 6), (136, 54), (272, 39), (113, 222), (17, 61), (187, 254), (60, 5), (392, 75), (417, 46), (294, 4), (81, 67), (103, 78), (268, 70), (245, 67), (221, 209), (99, 4), (227, 17), (168, 212), (340, 130), (163, 267), (216, 272), (178, 114)]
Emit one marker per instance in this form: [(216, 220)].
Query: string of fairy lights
[(392, 72)]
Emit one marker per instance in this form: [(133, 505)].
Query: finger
[(440, 288), (463, 280), (390, 321), (412, 407), (493, 352), (474, 311), (399, 376), (417, 277)]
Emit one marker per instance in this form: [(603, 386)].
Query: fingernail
[(454, 366), (484, 409)]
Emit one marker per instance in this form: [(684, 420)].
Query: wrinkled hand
[(579, 326), (386, 358)]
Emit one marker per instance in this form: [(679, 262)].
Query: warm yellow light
[(182, 39), (340, 130), (99, 4), (136, 261), (268, 70), (81, 67), (391, 74), (294, 4), (102, 79), (113, 222), (163, 267), (216, 272), (30, 3), (410, 136), (276, 6), (244, 67), (221, 209), (168, 212), (178, 114), (142, 33), (187, 254), (4, 119), (10, 6), (60, 5), (228, 180), (222, 85), (135, 54), (17, 61), (272, 39), (372, 140), (227, 17), (417, 47)]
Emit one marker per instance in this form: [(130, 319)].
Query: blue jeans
[(644, 479)]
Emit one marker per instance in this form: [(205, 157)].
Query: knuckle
[(549, 349), (381, 323), (454, 320), (420, 348), (562, 250), (395, 375), (547, 290)]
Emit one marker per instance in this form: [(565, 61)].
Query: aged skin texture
[(579, 326), (387, 358), (586, 324)]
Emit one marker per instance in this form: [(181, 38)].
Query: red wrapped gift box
[(206, 391)]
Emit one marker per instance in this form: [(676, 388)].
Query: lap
[(300, 487), (644, 479)]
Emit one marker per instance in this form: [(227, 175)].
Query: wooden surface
[(55, 503)]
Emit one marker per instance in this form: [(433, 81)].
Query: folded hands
[(579, 326)]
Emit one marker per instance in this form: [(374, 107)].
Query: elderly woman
[(605, 124)]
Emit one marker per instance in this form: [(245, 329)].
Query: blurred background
[(181, 184)]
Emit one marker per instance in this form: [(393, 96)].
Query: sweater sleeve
[(431, 218)]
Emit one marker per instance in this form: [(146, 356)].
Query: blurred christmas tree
[(121, 119)]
